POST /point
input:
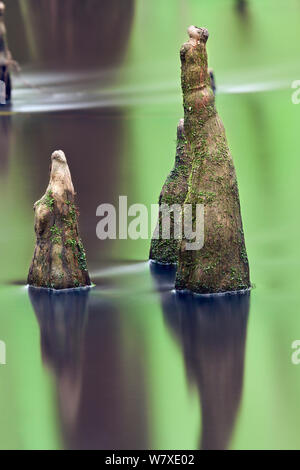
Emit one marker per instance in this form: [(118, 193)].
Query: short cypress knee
[(222, 264), (59, 260), (174, 191)]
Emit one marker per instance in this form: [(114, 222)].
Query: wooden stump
[(174, 191), (222, 264), (59, 260)]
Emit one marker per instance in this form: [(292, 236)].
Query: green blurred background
[(128, 149)]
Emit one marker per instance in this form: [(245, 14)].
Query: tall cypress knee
[(164, 250), (222, 264), (59, 260)]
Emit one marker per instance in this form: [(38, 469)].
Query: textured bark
[(174, 191), (59, 260), (222, 264)]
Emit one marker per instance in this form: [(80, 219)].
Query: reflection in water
[(101, 394), (212, 335), (262, 147), (242, 7), (245, 22), (71, 33), (77, 34), (62, 318), (82, 43), (5, 139)]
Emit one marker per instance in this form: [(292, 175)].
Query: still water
[(130, 364)]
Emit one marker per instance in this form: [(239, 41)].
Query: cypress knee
[(174, 191), (59, 260), (222, 264)]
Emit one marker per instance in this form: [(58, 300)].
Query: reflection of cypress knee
[(212, 334), (59, 260), (62, 318), (242, 7), (222, 264), (174, 191)]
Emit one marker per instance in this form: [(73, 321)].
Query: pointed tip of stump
[(200, 34), (59, 156)]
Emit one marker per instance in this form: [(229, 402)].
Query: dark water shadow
[(212, 335), (62, 319), (69, 33), (101, 395), (263, 151), (245, 22), (242, 8), (74, 34)]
